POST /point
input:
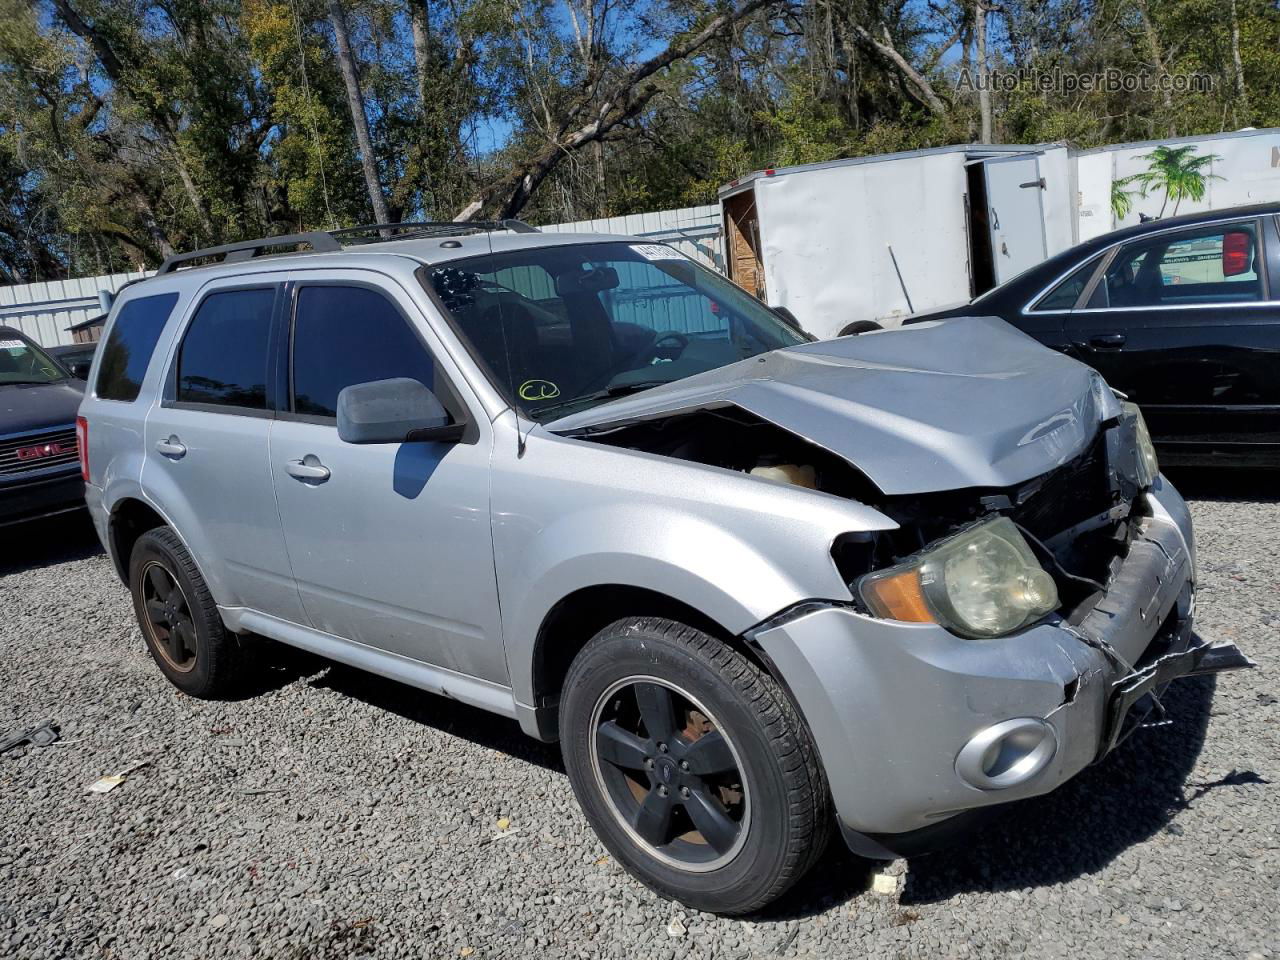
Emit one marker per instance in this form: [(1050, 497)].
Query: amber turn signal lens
[(898, 597)]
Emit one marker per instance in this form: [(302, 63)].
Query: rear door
[(1184, 323), (207, 459), (391, 544), (1015, 215)]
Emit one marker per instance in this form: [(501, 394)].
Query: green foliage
[(130, 128), (1121, 198), (1177, 171)]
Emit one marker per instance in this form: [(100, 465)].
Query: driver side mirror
[(399, 410)]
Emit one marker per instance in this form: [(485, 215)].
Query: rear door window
[(1204, 266), (344, 335), (129, 346), (223, 361)]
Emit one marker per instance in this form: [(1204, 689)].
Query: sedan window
[(1219, 265), (1065, 294)]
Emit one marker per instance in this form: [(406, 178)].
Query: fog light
[(1007, 754)]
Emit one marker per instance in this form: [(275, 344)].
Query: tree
[(1121, 198), (359, 120), (598, 112), (1178, 172), (133, 128)]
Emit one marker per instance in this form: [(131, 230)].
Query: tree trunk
[(1235, 59), (1157, 54), (623, 102), (419, 23), (355, 101), (984, 77), (886, 49)]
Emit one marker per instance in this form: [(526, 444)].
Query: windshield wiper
[(608, 393), (28, 383), (618, 389)]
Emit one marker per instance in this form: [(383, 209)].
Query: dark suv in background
[(39, 453)]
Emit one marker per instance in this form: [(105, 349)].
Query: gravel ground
[(331, 814)]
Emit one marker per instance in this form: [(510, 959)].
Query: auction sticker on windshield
[(656, 251), (12, 345)]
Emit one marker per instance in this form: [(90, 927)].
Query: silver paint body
[(437, 564)]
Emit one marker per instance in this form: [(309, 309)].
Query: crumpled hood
[(969, 402)]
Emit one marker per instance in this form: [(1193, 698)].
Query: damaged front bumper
[(918, 729)]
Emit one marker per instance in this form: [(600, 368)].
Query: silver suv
[(758, 587)]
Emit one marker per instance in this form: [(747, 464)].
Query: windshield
[(23, 362), (563, 328)]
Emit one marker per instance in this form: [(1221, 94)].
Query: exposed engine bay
[(1078, 517)]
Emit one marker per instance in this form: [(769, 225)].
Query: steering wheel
[(655, 348)]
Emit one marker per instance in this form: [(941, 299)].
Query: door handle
[(1108, 341), (173, 448), (309, 469)]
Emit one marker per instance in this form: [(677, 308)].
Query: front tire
[(179, 620), (692, 766)]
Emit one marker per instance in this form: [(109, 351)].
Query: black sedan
[(1181, 315), (39, 454)]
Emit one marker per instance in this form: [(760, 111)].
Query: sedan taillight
[(82, 444)]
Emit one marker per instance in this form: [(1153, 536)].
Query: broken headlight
[(982, 582), (1109, 405), (1148, 465)]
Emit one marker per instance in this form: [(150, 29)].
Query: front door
[(1183, 322), (1015, 218), (390, 543)]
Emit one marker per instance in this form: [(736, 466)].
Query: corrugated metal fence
[(694, 231), (45, 311)]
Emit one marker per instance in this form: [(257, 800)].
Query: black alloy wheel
[(179, 618), (692, 765), (173, 633), (671, 775)]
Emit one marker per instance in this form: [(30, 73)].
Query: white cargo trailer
[(877, 238), (1246, 171)]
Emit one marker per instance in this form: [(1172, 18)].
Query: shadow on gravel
[(48, 542), (1226, 483), (454, 718), (1132, 795), (275, 665), (836, 878)]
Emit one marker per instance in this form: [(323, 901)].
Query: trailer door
[(1015, 216)]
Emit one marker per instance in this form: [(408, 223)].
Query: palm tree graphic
[(1178, 171)]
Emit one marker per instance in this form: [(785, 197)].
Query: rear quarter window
[(129, 346)]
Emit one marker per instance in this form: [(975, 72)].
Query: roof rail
[(327, 241), (429, 228), (319, 240)]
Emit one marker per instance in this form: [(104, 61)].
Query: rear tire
[(692, 766), (179, 620), (859, 326)]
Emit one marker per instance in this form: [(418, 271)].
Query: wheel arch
[(573, 620), (130, 518)]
